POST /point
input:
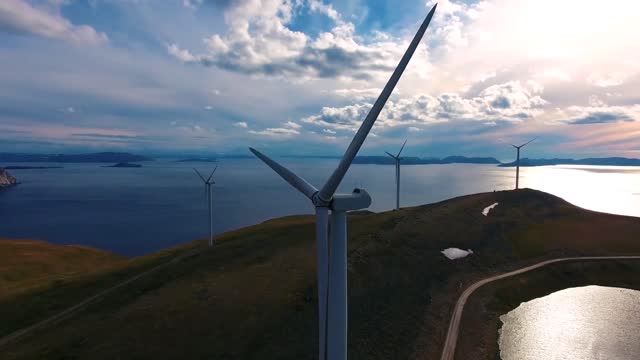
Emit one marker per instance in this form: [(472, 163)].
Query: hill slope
[(25, 264), (254, 296)]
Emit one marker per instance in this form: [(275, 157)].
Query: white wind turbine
[(518, 161), (331, 241), (207, 189), (397, 160)]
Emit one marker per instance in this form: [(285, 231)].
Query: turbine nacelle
[(357, 200)]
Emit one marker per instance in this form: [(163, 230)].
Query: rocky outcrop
[(6, 179)]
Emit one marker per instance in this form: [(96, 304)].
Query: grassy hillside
[(27, 264), (254, 296)]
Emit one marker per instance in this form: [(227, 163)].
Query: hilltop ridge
[(254, 295)]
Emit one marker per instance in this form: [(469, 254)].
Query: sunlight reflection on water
[(585, 323)]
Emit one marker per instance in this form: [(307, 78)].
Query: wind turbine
[(397, 159), (331, 241), (518, 161), (207, 189)]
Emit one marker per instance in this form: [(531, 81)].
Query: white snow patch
[(486, 210), (455, 253)]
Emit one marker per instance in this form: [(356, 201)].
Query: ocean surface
[(134, 211), (585, 323)]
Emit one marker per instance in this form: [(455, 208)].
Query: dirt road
[(449, 348)]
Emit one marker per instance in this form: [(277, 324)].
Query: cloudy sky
[(298, 76)]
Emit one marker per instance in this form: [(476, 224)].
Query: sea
[(583, 323), (135, 211)]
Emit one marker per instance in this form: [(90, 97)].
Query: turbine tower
[(331, 241), (518, 161), (397, 159), (207, 190)]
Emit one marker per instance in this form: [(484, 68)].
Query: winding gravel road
[(449, 349)]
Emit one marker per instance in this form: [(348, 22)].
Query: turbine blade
[(405, 143), (390, 155), (332, 184), (197, 172), (514, 146), (214, 170), (294, 180), (527, 143)]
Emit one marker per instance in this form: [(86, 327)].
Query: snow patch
[(455, 253), (486, 210)]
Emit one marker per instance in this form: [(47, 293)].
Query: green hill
[(28, 264), (254, 295)]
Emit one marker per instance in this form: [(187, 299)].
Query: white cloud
[(20, 17), (275, 132), (287, 129), (292, 125), (241, 124), (192, 4), (511, 102), (208, 107), (414, 129), (606, 80), (553, 74), (597, 113), (260, 42)]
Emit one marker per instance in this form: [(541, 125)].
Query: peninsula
[(101, 157), (407, 160), (609, 161)]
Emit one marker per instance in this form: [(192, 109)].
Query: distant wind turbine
[(331, 241), (518, 161), (397, 160), (207, 189)]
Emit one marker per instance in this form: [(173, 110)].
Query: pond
[(584, 323)]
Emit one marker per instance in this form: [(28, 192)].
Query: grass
[(254, 295), (40, 279), (27, 264)]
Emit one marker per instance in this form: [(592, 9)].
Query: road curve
[(449, 349), (75, 308)]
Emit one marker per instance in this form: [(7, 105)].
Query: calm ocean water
[(585, 323), (133, 211)]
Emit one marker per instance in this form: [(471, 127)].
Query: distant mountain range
[(610, 161), (387, 160), (101, 157), (124, 165)]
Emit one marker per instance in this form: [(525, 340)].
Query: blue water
[(133, 211)]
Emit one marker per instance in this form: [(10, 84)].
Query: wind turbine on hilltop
[(397, 159), (331, 241), (518, 161), (207, 190)]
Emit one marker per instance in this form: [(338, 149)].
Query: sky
[(297, 77)]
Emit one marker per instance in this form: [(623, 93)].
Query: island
[(609, 161), (31, 167), (198, 160), (100, 157), (6, 179), (409, 160), (124, 165)]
